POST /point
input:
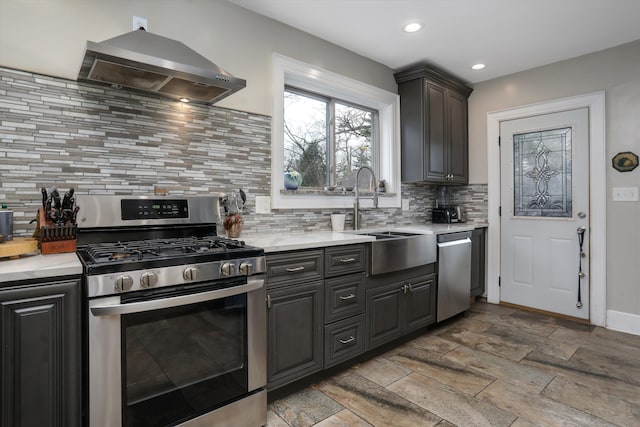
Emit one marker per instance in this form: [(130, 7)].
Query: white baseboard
[(623, 322)]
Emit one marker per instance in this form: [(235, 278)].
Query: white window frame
[(291, 72)]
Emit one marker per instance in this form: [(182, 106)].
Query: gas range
[(175, 330)]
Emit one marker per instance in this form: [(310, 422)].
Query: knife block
[(56, 238)]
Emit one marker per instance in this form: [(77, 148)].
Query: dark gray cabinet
[(40, 378), (314, 323), (341, 260), (343, 340), (478, 261), (294, 316), (399, 307), (344, 302), (321, 317), (344, 297), (384, 314), (295, 333), (434, 126)]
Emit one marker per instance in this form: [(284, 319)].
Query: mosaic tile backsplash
[(56, 132)]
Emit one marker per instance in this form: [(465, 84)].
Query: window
[(326, 139), (339, 150)]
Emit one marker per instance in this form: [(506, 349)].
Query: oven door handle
[(138, 307)]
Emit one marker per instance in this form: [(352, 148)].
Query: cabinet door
[(384, 314), (40, 354), (435, 139), (477, 261), (295, 330), (457, 138), (420, 302), (412, 112)]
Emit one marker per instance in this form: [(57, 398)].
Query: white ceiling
[(506, 35)]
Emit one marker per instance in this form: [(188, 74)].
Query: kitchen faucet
[(356, 204)]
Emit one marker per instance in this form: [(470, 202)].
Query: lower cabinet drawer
[(343, 340), (344, 297)]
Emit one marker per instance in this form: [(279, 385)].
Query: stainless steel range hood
[(151, 63)]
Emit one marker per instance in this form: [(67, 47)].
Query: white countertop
[(45, 266), (279, 242), (39, 267)]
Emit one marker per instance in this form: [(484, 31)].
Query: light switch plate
[(263, 204), (405, 204), (625, 194)]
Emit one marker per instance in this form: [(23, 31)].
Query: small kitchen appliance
[(448, 215), (175, 315), (446, 211)]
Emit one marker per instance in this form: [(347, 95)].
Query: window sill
[(321, 199), (332, 193)]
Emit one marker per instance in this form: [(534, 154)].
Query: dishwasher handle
[(464, 241)]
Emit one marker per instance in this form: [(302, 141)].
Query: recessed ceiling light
[(477, 66), (184, 99), (412, 28)]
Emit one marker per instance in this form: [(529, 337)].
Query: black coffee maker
[(445, 211)]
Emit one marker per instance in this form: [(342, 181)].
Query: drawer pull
[(348, 340), (347, 260), (295, 269), (347, 297)]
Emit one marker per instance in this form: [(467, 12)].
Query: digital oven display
[(154, 209)]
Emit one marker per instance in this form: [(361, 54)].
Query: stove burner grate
[(138, 250)]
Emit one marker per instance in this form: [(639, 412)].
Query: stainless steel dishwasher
[(454, 274)]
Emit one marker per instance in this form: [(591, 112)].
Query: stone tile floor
[(498, 366)]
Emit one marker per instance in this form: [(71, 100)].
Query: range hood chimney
[(151, 63)]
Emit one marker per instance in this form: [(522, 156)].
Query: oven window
[(184, 361)]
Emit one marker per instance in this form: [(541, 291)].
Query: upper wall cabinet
[(433, 115)]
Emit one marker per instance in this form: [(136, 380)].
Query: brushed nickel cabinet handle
[(348, 340), (347, 260), (295, 269), (347, 297)]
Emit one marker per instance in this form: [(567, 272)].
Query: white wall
[(617, 72), (48, 37)]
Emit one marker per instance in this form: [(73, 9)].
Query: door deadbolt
[(582, 215)]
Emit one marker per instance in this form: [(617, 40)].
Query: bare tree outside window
[(354, 146), (307, 136)]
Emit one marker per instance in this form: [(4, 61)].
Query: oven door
[(166, 359)]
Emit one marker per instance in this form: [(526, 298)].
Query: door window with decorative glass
[(326, 140), (542, 173)]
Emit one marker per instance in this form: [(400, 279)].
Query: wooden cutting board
[(18, 246)]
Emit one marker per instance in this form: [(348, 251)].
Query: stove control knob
[(123, 283), (191, 273), (148, 280), (227, 269), (246, 268)]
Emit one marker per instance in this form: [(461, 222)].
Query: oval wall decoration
[(625, 161)]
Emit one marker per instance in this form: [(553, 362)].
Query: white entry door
[(544, 258)]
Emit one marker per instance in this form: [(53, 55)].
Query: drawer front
[(294, 267), (340, 260), (343, 340), (344, 297)]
